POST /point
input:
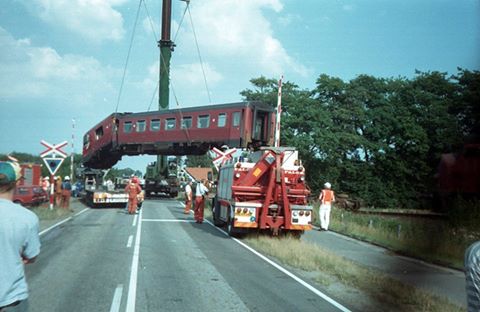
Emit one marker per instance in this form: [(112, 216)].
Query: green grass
[(331, 268), (44, 213), (431, 240)]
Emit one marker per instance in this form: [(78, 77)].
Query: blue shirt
[(472, 273), (18, 237)]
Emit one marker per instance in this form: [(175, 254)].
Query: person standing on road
[(201, 193), (133, 189), (472, 275), (58, 191), (66, 192), (188, 197), (326, 198), (19, 242)]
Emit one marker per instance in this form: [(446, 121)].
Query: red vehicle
[(188, 131), (32, 174), (29, 195), (459, 174), (267, 191)]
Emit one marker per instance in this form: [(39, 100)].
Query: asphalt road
[(159, 260)]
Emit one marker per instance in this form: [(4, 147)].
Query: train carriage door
[(115, 127), (260, 126)]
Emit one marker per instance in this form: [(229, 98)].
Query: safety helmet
[(67, 178), (46, 178), (327, 185)]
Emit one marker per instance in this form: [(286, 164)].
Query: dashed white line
[(135, 220), (129, 242), (117, 299), (132, 286)]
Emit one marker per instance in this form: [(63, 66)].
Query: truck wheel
[(230, 228), (216, 212)]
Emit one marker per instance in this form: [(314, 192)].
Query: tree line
[(378, 139)]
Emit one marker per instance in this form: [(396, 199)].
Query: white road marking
[(167, 220), (135, 220), (61, 222), (285, 271), (80, 212), (130, 240), (132, 287), (117, 299)]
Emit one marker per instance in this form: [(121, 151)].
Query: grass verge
[(44, 213), (435, 241), (381, 288)]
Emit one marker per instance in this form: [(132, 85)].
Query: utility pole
[(166, 46)]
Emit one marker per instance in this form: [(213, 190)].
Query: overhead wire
[(150, 21), (128, 56)]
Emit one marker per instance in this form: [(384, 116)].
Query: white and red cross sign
[(222, 157), (53, 149), (50, 158)]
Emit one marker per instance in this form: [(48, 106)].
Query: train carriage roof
[(255, 104)]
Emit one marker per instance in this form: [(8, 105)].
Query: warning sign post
[(53, 157)]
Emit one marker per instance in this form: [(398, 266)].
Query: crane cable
[(128, 56)]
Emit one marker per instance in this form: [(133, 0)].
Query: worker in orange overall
[(66, 192), (188, 197), (201, 193), (133, 189), (58, 191), (326, 198)]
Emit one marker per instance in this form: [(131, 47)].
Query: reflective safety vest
[(327, 196)]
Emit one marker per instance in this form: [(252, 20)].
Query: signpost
[(53, 157)]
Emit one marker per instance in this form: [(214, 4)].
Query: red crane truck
[(267, 191)]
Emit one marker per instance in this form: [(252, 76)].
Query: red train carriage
[(188, 131)]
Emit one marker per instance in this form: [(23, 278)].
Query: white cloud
[(185, 77), (95, 20), (35, 73), (240, 33), (191, 75)]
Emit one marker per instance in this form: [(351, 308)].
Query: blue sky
[(65, 59)]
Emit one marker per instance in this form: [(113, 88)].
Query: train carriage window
[(236, 119), (186, 123), (222, 120), (141, 125), (86, 140), (170, 124), (99, 133), (127, 126), (155, 125), (203, 121)]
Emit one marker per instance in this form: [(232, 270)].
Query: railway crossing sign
[(53, 149), (50, 158), (222, 157), (53, 157)]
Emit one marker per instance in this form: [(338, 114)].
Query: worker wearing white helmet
[(46, 185), (326, 197)]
